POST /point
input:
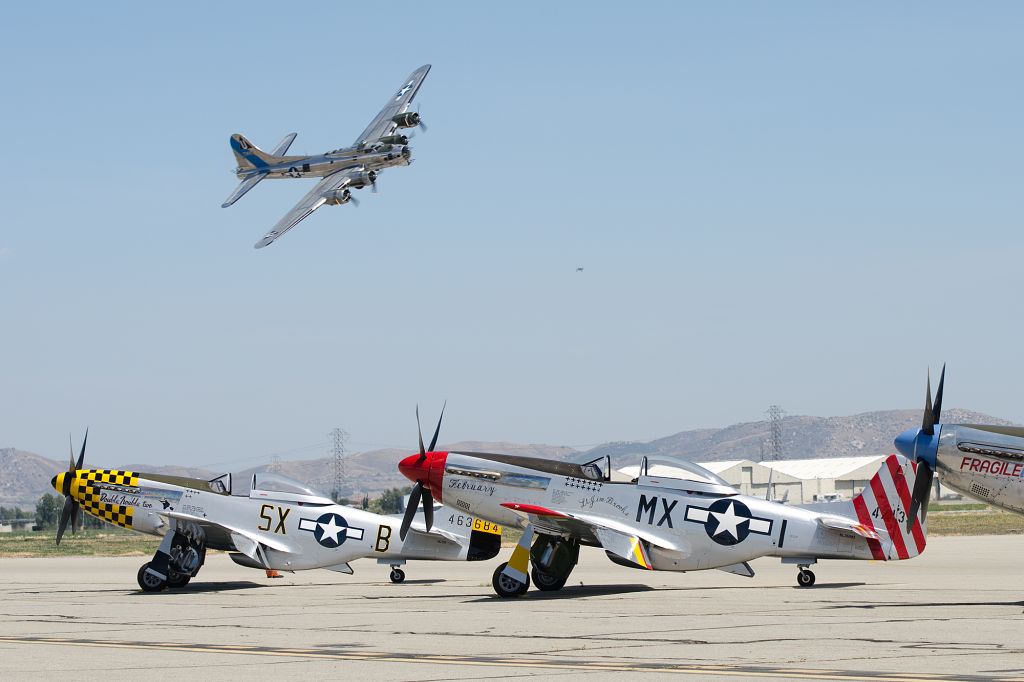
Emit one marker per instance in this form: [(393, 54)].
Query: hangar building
[(799, 481)]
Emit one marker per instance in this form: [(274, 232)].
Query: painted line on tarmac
[(721, 670)]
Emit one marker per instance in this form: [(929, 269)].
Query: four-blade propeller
[(70, 510), (421, 491), (925, 472)]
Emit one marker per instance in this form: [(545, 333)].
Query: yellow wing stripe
[(639, 555)]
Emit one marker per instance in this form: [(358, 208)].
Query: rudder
[(884, 504), (248, 155)]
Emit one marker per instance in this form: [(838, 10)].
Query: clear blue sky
[(802, 204)]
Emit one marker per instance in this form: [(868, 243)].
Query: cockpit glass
[(281, 484), (672, 467)]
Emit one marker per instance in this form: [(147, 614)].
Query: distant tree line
[(391, 501), (48, 511), (11, 513)]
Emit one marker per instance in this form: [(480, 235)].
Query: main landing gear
[(176, 562), (552, 559), (506, 586), (805, 578), (397, 575)]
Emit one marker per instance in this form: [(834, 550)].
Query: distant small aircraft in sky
[(579, 269)]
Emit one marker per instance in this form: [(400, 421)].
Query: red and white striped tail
[(884, 505)]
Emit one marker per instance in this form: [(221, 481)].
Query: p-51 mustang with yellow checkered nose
[(271, 522)]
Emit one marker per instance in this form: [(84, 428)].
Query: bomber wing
[(398, 103), (313, 200)]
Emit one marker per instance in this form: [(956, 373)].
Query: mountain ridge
[(25, 476)]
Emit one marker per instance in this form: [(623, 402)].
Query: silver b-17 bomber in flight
[(378, 147)]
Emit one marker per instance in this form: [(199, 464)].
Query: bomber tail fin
[(248, 155), (884, 504)]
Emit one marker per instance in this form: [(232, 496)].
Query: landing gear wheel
[(149, 582), (176, 580), (505, 586), (805, 578), (397, 575), (545, 582)]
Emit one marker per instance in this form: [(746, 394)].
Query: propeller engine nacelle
[(338, 197), (363, 179), (394, 139), (409, 119)]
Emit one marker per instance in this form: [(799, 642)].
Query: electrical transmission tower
[(775, 414), (340, 437)]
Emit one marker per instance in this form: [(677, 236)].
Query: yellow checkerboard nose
[(85, 486)]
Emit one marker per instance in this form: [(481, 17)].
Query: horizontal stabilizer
[(849, 526), (743, 569), (283, 145), (242, 188)]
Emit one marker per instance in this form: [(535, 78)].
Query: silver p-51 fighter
[(270, 522), (665, 516), (380, 146), (984, 461)]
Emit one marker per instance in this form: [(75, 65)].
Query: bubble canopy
[(663, 466), (275, 483)]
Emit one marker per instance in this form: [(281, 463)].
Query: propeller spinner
[(62, 482)]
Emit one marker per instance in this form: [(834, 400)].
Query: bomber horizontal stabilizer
[(242, 188)]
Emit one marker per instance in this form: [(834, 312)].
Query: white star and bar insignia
[(728, 521), (330, 529)]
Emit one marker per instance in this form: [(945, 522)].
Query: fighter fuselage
[(706, 525), (298, 531)]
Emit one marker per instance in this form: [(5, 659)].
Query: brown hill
[(25, 476)]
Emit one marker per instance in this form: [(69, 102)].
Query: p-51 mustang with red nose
[(665, 515), (269, 522)]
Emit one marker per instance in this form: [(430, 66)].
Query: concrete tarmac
[(957, 612)]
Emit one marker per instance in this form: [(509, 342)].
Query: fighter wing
[(243, 540), (398, 103), (316, 198), (617, 537)]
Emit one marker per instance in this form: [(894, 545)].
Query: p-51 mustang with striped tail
[(666, 515), (270, 522), (380, 146)]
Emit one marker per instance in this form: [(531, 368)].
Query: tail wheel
[(149, 582), (546, 582), (805, 578), (506, 586)]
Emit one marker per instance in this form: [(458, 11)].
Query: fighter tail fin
[(884, 504)]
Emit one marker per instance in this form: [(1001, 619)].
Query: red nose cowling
[(427, 469)]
